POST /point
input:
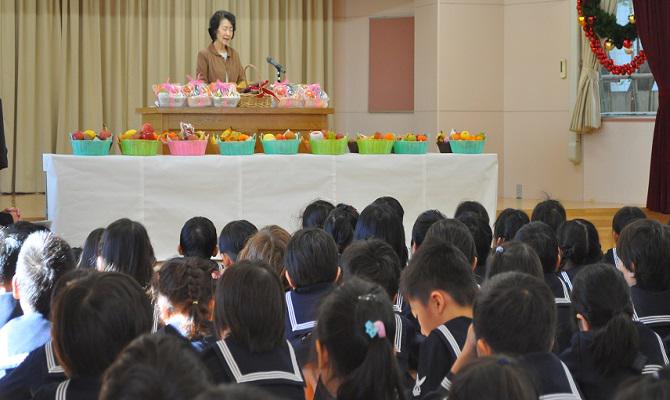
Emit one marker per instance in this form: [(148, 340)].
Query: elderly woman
[(219, 60)]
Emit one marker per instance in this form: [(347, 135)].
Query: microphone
[(271, 61)]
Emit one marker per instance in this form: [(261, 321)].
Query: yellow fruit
[(465, 135), (269, 136), (89, 133), (128, 134)]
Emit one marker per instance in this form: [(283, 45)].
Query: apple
[(104, 133), (378, 135), (78, 135), (339, 136), (147, 128), (288, 135)]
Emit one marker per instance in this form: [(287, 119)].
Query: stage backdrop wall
[(72, 64)]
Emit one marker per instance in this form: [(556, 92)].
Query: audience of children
[(548, 321)]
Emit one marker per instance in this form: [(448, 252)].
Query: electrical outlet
[(519, 191)]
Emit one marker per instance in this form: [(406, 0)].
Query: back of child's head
[(125, 247), (155, 367), (654, 386), (508, 224), (268, 244), (311, 258), (493, 378), (595, 250), (393, 204), (356, 327), (515, 314), (11, 240), (644, 249), (574, 243), (236, 392), (542, 238), (89, 254), (514, 256), (439, 266), (423, 222), (601, 295), (472, 207), (250, 305), (456, 233), (375, 261), (625, 216), (315, 214), (198, 238), (481, 234), (94, 318), (234, 236), (381, 222), (43, 259), (186, 284), (551, 212), (340, 224)]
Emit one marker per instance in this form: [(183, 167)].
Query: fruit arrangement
[(466, 135), (139, 143), (188, 142), (235, 143), (224, 94), (89, 143), (465, 142), (328, 143), (282, 143), (145, 133), (287, 135), (411, 143), (230, 135), (378, 143), (413, 137)]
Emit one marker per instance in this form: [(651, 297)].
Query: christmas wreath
[(599, 25)]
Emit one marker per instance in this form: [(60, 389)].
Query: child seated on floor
[(340, 224), (198, 239), (513, 256), (507, 224), (551, 212), (423, 222), (315, 214), (268, 244), (232, 239), (624, 217)]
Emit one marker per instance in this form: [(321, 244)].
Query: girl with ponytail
[(354, 347), (610, 346), (574, 244), (184, 291)]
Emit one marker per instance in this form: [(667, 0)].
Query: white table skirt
[(162, 192)]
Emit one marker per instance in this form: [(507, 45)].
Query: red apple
[(78, 135), (339, 136), (147, 128), (104, 133)]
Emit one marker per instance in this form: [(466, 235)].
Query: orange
[(455, 136), (243, 137), (389, 136)]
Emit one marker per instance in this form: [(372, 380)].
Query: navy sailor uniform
[(276, 371), (302, 305), (39, 368), (653, 310), (565, 326), (437, 355), (83, 388), (552, 377)]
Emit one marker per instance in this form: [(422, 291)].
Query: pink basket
[(199, 101), (187, 147)]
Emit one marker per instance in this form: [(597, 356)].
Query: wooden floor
[(33, 207)]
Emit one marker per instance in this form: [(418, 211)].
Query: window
[(622, 95)]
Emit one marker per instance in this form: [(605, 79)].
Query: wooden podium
[(253, 120)]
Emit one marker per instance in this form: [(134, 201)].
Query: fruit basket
[(91, 147)]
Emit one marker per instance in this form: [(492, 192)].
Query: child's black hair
[(508, 224), (311, 257), (514, 256), (315, 214), (454, 232), (439, 266), (250, 305), (94, 318), (601, 295), (393, 204), (43, 259), (125, 247), (542, 238), (340, 224), (625, 216), (233, 391), (473, 207), (574, 242), (89, 254), (551, 212), (481, 234), (644, 248), (381, 222), (198, 238), (646, 387), (11, 240), (375, 261), (493, 378), (423, 222), (515, 314), (595, 254), (155, 367), (187, 284), (234, 236), (358, 356)]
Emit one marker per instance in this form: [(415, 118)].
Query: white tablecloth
[(162, 192)]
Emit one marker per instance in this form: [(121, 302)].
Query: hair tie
[(500, 250), (367, 297), (375, 328)]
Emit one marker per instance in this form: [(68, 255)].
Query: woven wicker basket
[(249, 100)]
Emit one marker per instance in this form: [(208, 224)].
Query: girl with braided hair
[(184, 296)]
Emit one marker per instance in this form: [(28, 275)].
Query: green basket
[(138, 147), (375, 146), (329, 146), (245, 148), (467, 146), (91, 147), (407, 147), (281, 146)]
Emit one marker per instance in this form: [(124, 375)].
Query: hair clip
[(500, 250), (195, 302), (376, 328), (367, 297)]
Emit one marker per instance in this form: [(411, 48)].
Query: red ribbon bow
[(263, 90)]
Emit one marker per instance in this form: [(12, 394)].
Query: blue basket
[(245, 148), (91, 147), (281, 146), (407, 147), (467, 146)]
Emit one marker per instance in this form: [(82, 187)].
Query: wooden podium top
[(235, 110)]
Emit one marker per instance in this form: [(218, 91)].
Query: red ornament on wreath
[(602, 24)]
